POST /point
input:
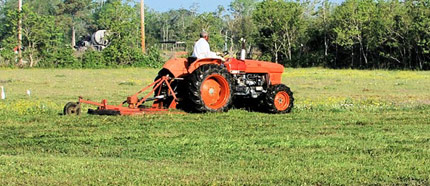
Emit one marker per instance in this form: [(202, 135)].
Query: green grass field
[(349, 127)]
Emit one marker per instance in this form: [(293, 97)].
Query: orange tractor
[(205, 85)]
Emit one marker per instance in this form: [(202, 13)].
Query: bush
[(7, 54), (152, 59), (111, 57), (93, 59), (59, 58)]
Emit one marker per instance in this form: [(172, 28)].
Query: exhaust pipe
[(243, 51)]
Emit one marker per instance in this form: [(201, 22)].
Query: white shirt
[(202, 50)]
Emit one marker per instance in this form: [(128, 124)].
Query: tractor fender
[(177, 66), (180, 67), (206, 61)]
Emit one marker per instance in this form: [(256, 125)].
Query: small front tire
[(278, 99)]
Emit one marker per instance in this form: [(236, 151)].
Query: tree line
[(362, 34)]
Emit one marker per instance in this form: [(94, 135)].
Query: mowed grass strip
[(333, 143)]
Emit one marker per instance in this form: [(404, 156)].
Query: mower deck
[(135, 105)]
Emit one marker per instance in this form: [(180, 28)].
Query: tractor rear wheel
[(210, 89), (278, 99)]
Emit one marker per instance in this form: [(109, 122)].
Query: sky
[(204, 5)]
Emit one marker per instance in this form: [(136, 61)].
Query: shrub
[(152, 59), (93, 59), (59, 57)]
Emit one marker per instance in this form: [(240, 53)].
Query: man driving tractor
[(202, 49)]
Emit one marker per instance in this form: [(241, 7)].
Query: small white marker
[(28, 92), (3, 94)]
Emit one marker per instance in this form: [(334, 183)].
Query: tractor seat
[(191, 60)]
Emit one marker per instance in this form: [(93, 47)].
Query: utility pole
[(142, 24), (20, 33)]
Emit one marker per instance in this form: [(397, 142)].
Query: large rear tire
[(209, 90), (278, 99)]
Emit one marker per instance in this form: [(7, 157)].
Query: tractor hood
[(274, 70), (253, 66)]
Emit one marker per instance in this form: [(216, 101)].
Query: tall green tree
[(74, 11), (121, 20), (420, 12), (318, 47), (210, 23), (352, 25), (280, 26), (44, 7), (239, 22), (42, 39)]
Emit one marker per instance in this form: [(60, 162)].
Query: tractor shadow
[(249, 105)]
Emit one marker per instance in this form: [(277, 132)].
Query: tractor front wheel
[(278, 99), (210, 89)]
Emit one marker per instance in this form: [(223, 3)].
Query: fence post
[(3, 94)]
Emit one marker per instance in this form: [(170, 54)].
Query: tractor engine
[(250, 85)]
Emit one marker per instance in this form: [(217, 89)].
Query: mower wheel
[(209, 89), (278, 99), (72, 108), (164, 90)]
